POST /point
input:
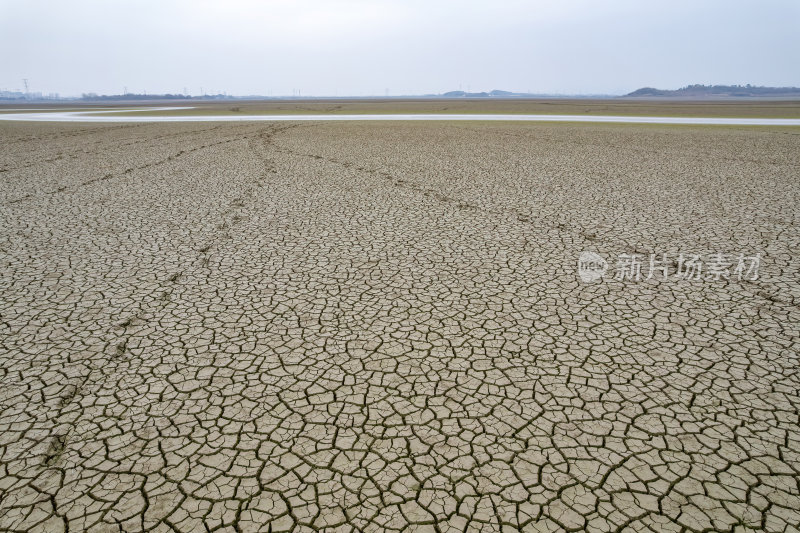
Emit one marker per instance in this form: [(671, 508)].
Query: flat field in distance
[(381, 327), (753, 108)]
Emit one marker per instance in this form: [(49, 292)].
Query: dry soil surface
[(380, 327)]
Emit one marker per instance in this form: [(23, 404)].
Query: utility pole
[(25, 82)]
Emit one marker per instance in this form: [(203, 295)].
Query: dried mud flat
[(379, 327)]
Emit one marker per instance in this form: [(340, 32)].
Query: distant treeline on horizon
[(136, 96), (696, 91)]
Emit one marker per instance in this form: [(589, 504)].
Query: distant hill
[(497, 93), (483, 94), (705, 91), (464, 94)]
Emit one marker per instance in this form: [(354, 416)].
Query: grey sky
[(358, 47)]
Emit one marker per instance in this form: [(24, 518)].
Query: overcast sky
[(360, 47)]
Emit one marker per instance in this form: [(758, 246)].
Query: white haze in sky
[(366, 47)]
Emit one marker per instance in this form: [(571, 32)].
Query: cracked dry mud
[(379, 327)]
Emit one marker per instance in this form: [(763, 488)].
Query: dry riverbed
[(381, 327)]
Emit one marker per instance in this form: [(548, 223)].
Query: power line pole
[(25, 82)]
